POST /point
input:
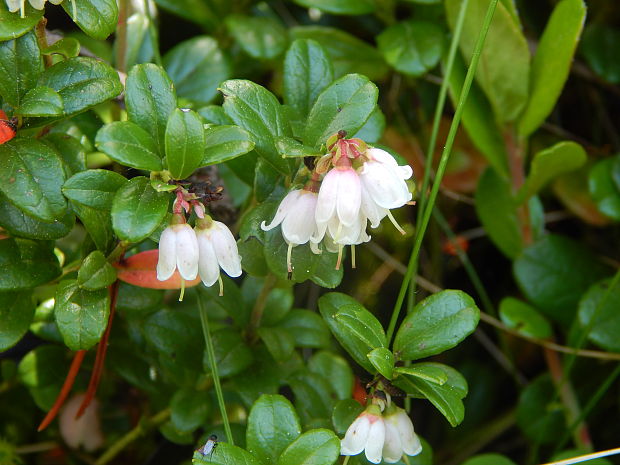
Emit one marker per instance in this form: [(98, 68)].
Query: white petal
[(392, 448), (283, 209), (226, 250), (208, 267), (371, 210), (167, 261), (37, 4), (14, 5), (410, 441), (328, 194), (384, 186), (381, 156), (349, 197), (356, 436), (187, 251), (300, 225), (374, 444)]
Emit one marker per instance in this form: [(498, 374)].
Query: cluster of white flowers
[(15, 5), (383, 436), (198, 251), (360, 186)]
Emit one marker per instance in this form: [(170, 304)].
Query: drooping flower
[(367, 434), (296, 214), (178, 248), (400, 437), (15, 5), (217, 249)]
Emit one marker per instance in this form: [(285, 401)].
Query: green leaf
[(82, 83), (383, 360), (42, 371), (524, 318), (598, 46), (551, 274), (290, 148), (272, 425), (81, 315), (314, 398), (130, 145), (279, 343), (412, 47), (223, 143), (257, 111), (346, 104), (373, 128), (478, 119), (436, 324), (25, 264), (189, 409), (598, 311), (95, 272), (98, 224), (15, 222), (93, 188), (426, 371), (197, 67), (341, 7), (307, 71), (336, 370), (504, 69), (226, 455), (16, 313), (539, 415), (68, 47), (97, 18), (215, 114), (31, 175), (258, 36), (137, 210), (13, 26), (150, 98), (489, 459), (185, 143), (347, 53), (72, 149), (306, 327), (232, 354), (20, 66), (552, 62), (41, 101), (604, 192), (345, 412), (547, 164), (139, 43), (357, 330), (314, 447)]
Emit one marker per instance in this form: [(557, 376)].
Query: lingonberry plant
[(197, 263)]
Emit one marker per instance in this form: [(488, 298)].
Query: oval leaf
[(223, 143), (598, 311), (130, 145), (524, 318), (16, 313), (93, 188), (259, 36), (185, 143), (20, 66), (314, 447), (383, 360), (95, 272), (97, 18), (41, 101)]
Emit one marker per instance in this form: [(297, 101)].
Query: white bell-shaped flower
[(217, 249), (178, 248), (367, 434), (15, 5), (400, 437)]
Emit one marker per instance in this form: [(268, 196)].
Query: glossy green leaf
[(81, 315), (344, 413), (16, 313), (412, 47), (314, 398), (599, 45), (290, 148), (185, 143), (307, 71), (20, 66), (93, 188), (223, 143), (357, 330), (373, 128), (436, 324), (345, 105), (139, 47), (279, 343), (336, 370), (95, 272), (189, 409), (426, 371), (15, 222), (130, 145), (489, 459), (383, 360), (552, 62), (97, 18), (98, 224), (306, 327), (341, 7), (31, 175), (604, 191), (137, 210), (547, 164), (504, 69), (197, 67), (524, 318), (598, 311), (232, 354), (257, 111), (226, 455), (258, 36), (150, 98), (72, 150), (68, 47), (215, 114), (347, 53), (42, 371), (12, 25), (272, 425), (550, 274), (41, 101), (539, 415), (82, 83), (314, 447)]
